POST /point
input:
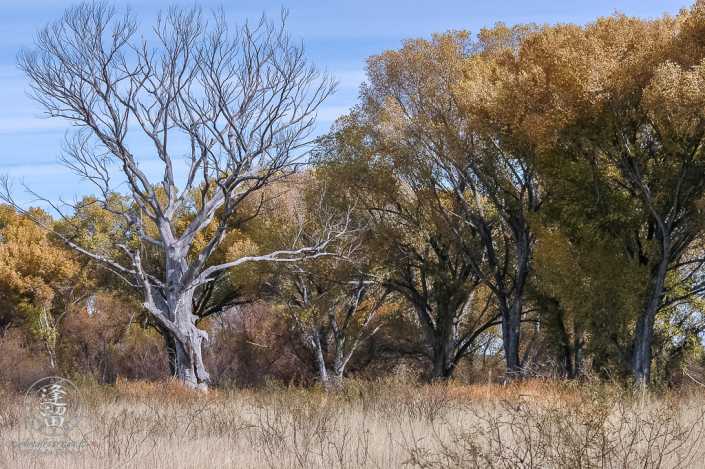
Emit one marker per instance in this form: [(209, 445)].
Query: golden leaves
[(240, 246), (30, 263), (676, 97)]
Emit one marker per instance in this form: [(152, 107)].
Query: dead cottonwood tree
[(239, 103)]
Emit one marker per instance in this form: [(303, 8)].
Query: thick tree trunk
[(189, 362), (188, 340), (567, 358), (571, 349), (511, 299), (643, 337), (441, 339), (185, 370), (443, 354), (511, 326), (644, 331), (444, 338)]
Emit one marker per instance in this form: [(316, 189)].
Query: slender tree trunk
[(578, 343), (340, 360), (338, 367), (170, 345), (339, 364), (48, 331), (566, 354), (320, 360)]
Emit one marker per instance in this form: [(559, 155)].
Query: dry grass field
[(384, 425)]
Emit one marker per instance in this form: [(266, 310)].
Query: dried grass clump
[(546, 425), (390, 424)]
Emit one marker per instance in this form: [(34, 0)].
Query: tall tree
[(437, 112), (332, 302), (417, 253), (40, 279), (333, 316), (626, 98), (239, 104)]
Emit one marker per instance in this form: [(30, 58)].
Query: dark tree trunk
[(643, 338), (443, 355), (644, 331), (511, 325), (578, 343), (170, 344), (565, 353)]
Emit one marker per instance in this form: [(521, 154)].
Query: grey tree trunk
[(340, 357), (189, 359), (339, 364), (320, 359), (321, 332)]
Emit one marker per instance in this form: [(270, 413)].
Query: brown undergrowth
[(389, 424)]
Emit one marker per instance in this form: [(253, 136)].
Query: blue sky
[(338, 36)]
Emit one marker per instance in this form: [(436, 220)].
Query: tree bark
[(189, 353), (511, 326), (578, 343), (644, 331), (565, 351), (170, 345), (320, 359), (443, 355)]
